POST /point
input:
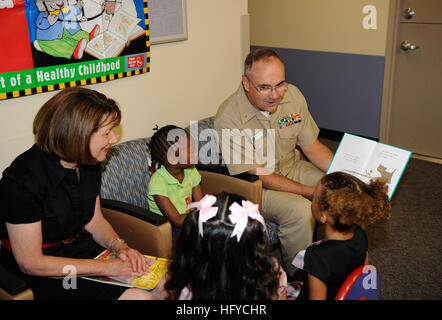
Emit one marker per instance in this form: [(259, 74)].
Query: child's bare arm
[(197, 193), (317, 288), (169, 210)]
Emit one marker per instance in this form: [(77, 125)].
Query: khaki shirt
[(247, 134)]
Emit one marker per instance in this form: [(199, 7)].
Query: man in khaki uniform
[(259, 127)]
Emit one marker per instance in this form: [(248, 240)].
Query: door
[(416, 103)]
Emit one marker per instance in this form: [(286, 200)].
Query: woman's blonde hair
[(65, 123)]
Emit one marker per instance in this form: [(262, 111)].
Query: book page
[(105, 45), (123, 24), (352, 156), (367, 159), (388, 163)]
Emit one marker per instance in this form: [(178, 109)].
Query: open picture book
[(158, 268), (367, 159), (121, 30)]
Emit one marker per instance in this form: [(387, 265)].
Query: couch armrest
[(223, 170), (135, 211), (143, 230), (13, 287), (213, 183)]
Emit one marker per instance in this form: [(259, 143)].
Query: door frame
[(391, 50), (389, 71)]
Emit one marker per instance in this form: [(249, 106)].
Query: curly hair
[(352, 202), (217, 266)]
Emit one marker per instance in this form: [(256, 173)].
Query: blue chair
[(362, 284), (124, 183)]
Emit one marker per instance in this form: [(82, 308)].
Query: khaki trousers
[(292, 213)]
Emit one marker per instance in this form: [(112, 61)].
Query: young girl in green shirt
[(175, 182)]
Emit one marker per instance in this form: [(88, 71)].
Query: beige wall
[(319, 25), (187, 81)]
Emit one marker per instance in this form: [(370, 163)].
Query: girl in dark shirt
[(342, 203)]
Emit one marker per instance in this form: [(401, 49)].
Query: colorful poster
[(48, 45)]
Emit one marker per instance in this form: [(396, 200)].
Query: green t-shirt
[(164, 184)]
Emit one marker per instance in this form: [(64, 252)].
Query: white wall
[(187, 80)]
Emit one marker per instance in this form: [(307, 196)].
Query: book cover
[(158, 268), (367, 159)]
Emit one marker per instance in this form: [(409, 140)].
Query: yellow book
[(158, 268)]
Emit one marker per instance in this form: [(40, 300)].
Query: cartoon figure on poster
[(100, 28), (58, 30)]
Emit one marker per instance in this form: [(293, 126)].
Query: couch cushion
[(125, 175), (206, 142)]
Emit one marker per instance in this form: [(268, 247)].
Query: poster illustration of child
[(58, 31)]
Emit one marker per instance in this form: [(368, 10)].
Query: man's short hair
[(256, 55)]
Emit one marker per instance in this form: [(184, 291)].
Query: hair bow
[(206, 211), (240, 215)]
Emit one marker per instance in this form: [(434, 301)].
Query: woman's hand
[(121, 268), (138, 262), (106, 236)]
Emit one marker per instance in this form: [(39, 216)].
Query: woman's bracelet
[(113, 242)]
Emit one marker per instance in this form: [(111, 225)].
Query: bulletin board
[(168, 21), (53, 44)]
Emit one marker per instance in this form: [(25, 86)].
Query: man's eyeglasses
[(266, 89)]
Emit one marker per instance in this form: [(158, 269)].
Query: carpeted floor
[(406, 249)]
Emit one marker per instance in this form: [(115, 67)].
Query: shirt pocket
[(288, 138)]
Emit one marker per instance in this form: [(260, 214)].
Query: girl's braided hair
[(159, 144)]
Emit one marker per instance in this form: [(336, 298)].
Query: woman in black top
[(51, 224), (342, 203)]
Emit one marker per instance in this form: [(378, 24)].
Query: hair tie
[(206, 211), (240, 214)]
